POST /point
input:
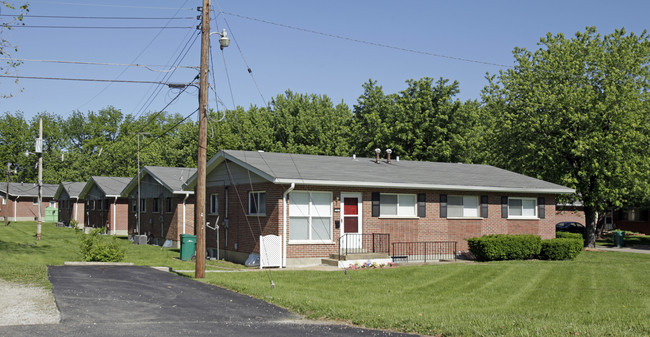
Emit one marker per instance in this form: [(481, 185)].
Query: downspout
[(114, 217), (76, 207), (284, 224), (184, 199)]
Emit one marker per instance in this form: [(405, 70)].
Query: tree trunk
[(590, 224)]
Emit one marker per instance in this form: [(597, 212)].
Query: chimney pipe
[(377, 151), (388, 151)]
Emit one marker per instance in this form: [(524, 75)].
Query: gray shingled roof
[(111, 186), (28, 189), (172, 178), (283, 168), (73, 189)]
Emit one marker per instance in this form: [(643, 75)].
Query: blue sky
[(282, 58)]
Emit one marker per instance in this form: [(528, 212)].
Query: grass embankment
[(25, 260), (598, 294)]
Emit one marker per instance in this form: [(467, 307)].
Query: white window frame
[(260, 211), (213, 206), (465, 210), (398, 215), (534, 200), (310, 216)]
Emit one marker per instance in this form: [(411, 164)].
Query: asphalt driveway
[(140, 301)]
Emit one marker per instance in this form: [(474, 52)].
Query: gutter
[(114, 217), (425, 186), (284, 224), (187, 195)]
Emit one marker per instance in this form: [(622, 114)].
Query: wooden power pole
[(39, 153), (199, 210)]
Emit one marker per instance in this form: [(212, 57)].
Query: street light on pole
[(138, 173)]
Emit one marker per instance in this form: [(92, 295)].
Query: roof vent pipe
[(396, 158), (388, 152), (377, 151)]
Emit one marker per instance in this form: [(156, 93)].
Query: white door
[(351, 216)]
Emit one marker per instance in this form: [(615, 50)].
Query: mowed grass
[(598, 294), (23, 259)]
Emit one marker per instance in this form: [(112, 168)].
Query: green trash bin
[(188, 246), (618, 238)]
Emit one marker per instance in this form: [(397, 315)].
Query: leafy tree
[(576, 112), (7, 47), (422, 122)]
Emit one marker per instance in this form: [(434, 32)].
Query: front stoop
[(346, 260)]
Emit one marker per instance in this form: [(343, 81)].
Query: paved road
[(140, 301)]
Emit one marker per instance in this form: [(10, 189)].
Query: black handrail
[(424, 251), (353, 243)]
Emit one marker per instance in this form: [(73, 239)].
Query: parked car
[(571, 227)]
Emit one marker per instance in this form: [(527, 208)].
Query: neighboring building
[(71, 207), (167, 210), (22, 203), (104, 205), (570, 212), (632, 219), (319, 203)]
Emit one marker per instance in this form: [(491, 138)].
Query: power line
[(368, 42), (100, 17), (148, 66), (80, 79), (106, 5), (99, 27)]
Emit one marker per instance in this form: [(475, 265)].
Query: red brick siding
[(172, 221), (24, 208)]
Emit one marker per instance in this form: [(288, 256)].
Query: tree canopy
[(576, 112)]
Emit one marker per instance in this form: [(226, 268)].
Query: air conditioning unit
[(139, 239)]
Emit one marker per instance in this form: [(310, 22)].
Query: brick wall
[(245, 230), (23, 209), (172, 222)]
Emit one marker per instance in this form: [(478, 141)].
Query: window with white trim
[(214, 203), (522, 207), (462, 206), (310, 216), (257, 203), (397, 205)]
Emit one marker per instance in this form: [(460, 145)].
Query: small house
[(166, 210), (315, 207), (71, 207), (21, 204), (105, 207)]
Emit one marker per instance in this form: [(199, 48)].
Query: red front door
[(350, 215)]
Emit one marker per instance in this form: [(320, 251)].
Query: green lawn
[(598, 294), (25, 260), (630, 240)]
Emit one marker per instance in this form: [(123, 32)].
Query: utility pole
[(6, 205), (199, 210), (139, 202), (39, 152)]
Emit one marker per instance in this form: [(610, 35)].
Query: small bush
[(505, 247), (98, 248), (566, 235), (561, 248)]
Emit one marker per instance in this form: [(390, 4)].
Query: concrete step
[(365, 256), (330, 262)]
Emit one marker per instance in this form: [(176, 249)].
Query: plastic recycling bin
[(619, 237), (188, 246)]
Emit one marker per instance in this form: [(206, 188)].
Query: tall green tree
[(576, 112), (423, 122)]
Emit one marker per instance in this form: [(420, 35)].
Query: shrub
[(505, 247), (99, 248), (561, 248), (565, 235)]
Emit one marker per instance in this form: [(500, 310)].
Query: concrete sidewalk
[(634, 249)]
